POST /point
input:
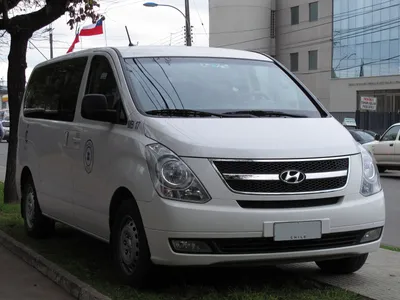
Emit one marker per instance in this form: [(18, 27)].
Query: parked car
[(5, 123), (361, 136), (1, 131), (386, 149), (187, 156)]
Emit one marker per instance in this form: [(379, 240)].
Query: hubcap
[(129, 245), (30, 209)]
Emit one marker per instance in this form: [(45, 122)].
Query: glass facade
[(366, 40)]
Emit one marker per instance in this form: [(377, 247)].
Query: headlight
[(371, 183), (172, 178)]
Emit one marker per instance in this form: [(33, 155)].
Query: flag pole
[(104, 26)]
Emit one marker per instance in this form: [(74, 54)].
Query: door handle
[(391, 145), (66, 136)]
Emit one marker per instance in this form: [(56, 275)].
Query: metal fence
[(375, 121)]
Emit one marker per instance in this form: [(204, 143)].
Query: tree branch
[(7, 5), (35, 20)]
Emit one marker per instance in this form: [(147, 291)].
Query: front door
[(384, 151), (99, 144)]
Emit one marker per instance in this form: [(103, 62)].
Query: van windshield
[(217, 85)]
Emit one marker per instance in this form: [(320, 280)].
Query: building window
[(361, 46), (272, 26), (313, 60), (294, 62), (295, 15), (313, 11)]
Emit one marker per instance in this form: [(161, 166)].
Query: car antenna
[(129, 37)]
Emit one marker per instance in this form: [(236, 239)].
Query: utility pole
[(188, 27), (51, 39)]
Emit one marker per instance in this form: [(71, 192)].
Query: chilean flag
[(92, 29), (76, 40)]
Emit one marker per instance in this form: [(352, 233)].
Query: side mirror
[(94, 107), (377, 137)]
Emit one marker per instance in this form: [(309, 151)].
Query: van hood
[(248, 138)]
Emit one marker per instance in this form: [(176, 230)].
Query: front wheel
[(36, 224), (131, 252), (344, 265)]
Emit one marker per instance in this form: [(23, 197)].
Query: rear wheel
[(131, 252), (36, 224), (344, 265)]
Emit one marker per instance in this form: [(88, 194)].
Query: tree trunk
[(16, 87)]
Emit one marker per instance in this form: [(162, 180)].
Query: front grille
[(271, 167), (282, 204), (265, 177), (268, 245)]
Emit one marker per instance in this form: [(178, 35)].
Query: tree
[(21, 28)]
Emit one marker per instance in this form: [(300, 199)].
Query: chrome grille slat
[(263, 176)]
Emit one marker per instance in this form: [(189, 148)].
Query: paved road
[(390, 182), (19, 281)]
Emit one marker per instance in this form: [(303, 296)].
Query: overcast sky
[(157, 26)]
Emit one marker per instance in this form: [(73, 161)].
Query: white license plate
[(297, 231)]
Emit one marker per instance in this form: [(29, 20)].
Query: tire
[(131, 254), (344, 265), (36, 224)]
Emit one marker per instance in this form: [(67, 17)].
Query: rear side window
[(53, 90)]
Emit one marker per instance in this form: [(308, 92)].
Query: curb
[(71, 284)]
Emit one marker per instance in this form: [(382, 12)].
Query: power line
[(198, 13), (38, 50)]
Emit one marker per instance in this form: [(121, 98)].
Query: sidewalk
[(18, 281), (379, 279)]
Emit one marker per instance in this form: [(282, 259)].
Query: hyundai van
[(193, 156)]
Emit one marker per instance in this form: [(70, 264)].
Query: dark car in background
[(362, 136)]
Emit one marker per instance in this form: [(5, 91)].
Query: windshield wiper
[(265, 113), (184, 113)]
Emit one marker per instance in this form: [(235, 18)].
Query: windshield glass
[(215, 85)]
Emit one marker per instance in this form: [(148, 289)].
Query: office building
[(347, 52)]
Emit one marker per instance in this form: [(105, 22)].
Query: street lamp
[(187, 17)]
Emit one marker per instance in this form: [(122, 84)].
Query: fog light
[(372, 235), (185, 246)]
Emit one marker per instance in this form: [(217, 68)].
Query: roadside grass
[(391, 248), (89, 260)]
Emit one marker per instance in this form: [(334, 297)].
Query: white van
[(194, 156)]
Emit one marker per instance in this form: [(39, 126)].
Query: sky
[(147, 26)]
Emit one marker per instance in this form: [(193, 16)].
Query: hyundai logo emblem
[(292, 177)]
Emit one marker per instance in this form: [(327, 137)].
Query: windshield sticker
[(103, 76), (219, 66)]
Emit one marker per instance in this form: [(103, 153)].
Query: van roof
[(157, 51), (170, 51)]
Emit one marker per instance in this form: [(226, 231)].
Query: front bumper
[(226, 221)]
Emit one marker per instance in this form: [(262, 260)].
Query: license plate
[(297, 231)]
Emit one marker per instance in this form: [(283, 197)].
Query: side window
[(53, 90), (102, 81), (391, 134)]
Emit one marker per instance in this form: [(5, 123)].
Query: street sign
[(349, 122)]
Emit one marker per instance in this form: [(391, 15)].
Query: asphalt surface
[(390, 182)]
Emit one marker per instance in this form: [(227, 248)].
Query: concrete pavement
[(18, 281)]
